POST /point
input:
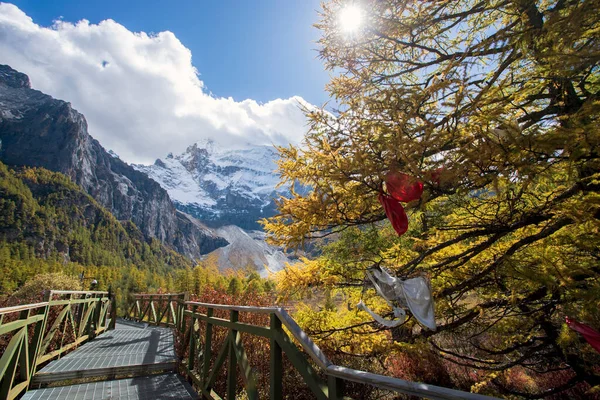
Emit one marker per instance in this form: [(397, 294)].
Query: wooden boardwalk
[(73, 346), (134, 349)]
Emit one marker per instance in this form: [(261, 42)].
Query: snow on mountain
[(221, 186), (229, 189), (249, 249)]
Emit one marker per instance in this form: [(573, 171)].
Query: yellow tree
[(494, 106)]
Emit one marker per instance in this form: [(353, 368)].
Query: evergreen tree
[(235, 286)]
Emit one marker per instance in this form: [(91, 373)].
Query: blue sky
[(130, 68), (259, 50)]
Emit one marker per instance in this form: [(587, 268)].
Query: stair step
[(107, 373), (160, 387)]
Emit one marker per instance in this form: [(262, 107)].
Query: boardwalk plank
[(167, 386), (131, 349)]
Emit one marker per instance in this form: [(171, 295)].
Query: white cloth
[(398, 313), (414, 294)]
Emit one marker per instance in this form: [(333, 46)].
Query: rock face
[(37, 130), (249, 249), (221, 186)]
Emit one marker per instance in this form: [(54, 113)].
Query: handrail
[(87, 313), (145, 295), (227, 307), (167, 316), (401, 385), (86, 292), (233, 349), (23, 307), (315, 353), (306, 342)]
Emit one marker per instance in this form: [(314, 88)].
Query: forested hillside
[(37, 130), (47, 223)]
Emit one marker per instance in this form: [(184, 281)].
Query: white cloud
[(140, 93)]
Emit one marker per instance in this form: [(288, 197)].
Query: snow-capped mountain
[(221, 186), (230, 189)]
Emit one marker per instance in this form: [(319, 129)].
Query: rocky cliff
[(37, 130)]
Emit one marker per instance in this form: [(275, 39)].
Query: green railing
[(207, 342), (33, 334), (158, 309)]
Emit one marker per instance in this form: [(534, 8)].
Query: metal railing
[(159, 309), (33, 334), (325, 380)]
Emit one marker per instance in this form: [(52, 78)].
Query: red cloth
[(436, 175), (395, 213), (403, 187), (589, 334)]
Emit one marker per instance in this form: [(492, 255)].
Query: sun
[(350, 18)]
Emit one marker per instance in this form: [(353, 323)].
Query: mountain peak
[(221, 185), (39, 131), (213, 147), (194, 158), (206, 144), (13, 78)]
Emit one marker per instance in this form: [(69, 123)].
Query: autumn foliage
[(494, 106)]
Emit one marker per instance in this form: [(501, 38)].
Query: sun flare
[(351, 18)]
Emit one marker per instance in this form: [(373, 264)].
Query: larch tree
[(494, 106)]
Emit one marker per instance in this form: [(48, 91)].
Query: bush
[(33, 290)]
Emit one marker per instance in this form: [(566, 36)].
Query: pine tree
[(235, 286)]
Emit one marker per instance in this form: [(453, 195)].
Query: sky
[(153, 77)]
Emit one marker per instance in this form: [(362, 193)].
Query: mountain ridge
[(37, 130), (221, 186)]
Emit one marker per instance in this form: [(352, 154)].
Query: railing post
[(80, 310), (276, 367), (231, 370), (113, 308), (192, 349), (207, 347), (168, 310), (180, 313), (96, 317), (38, 336), (147, 309), (173, 311), (153, 310), (132, 310), (62, 337), (138, 306), (10, 369), (90, 317), (180, 307), (336, 387), (23, 358)]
